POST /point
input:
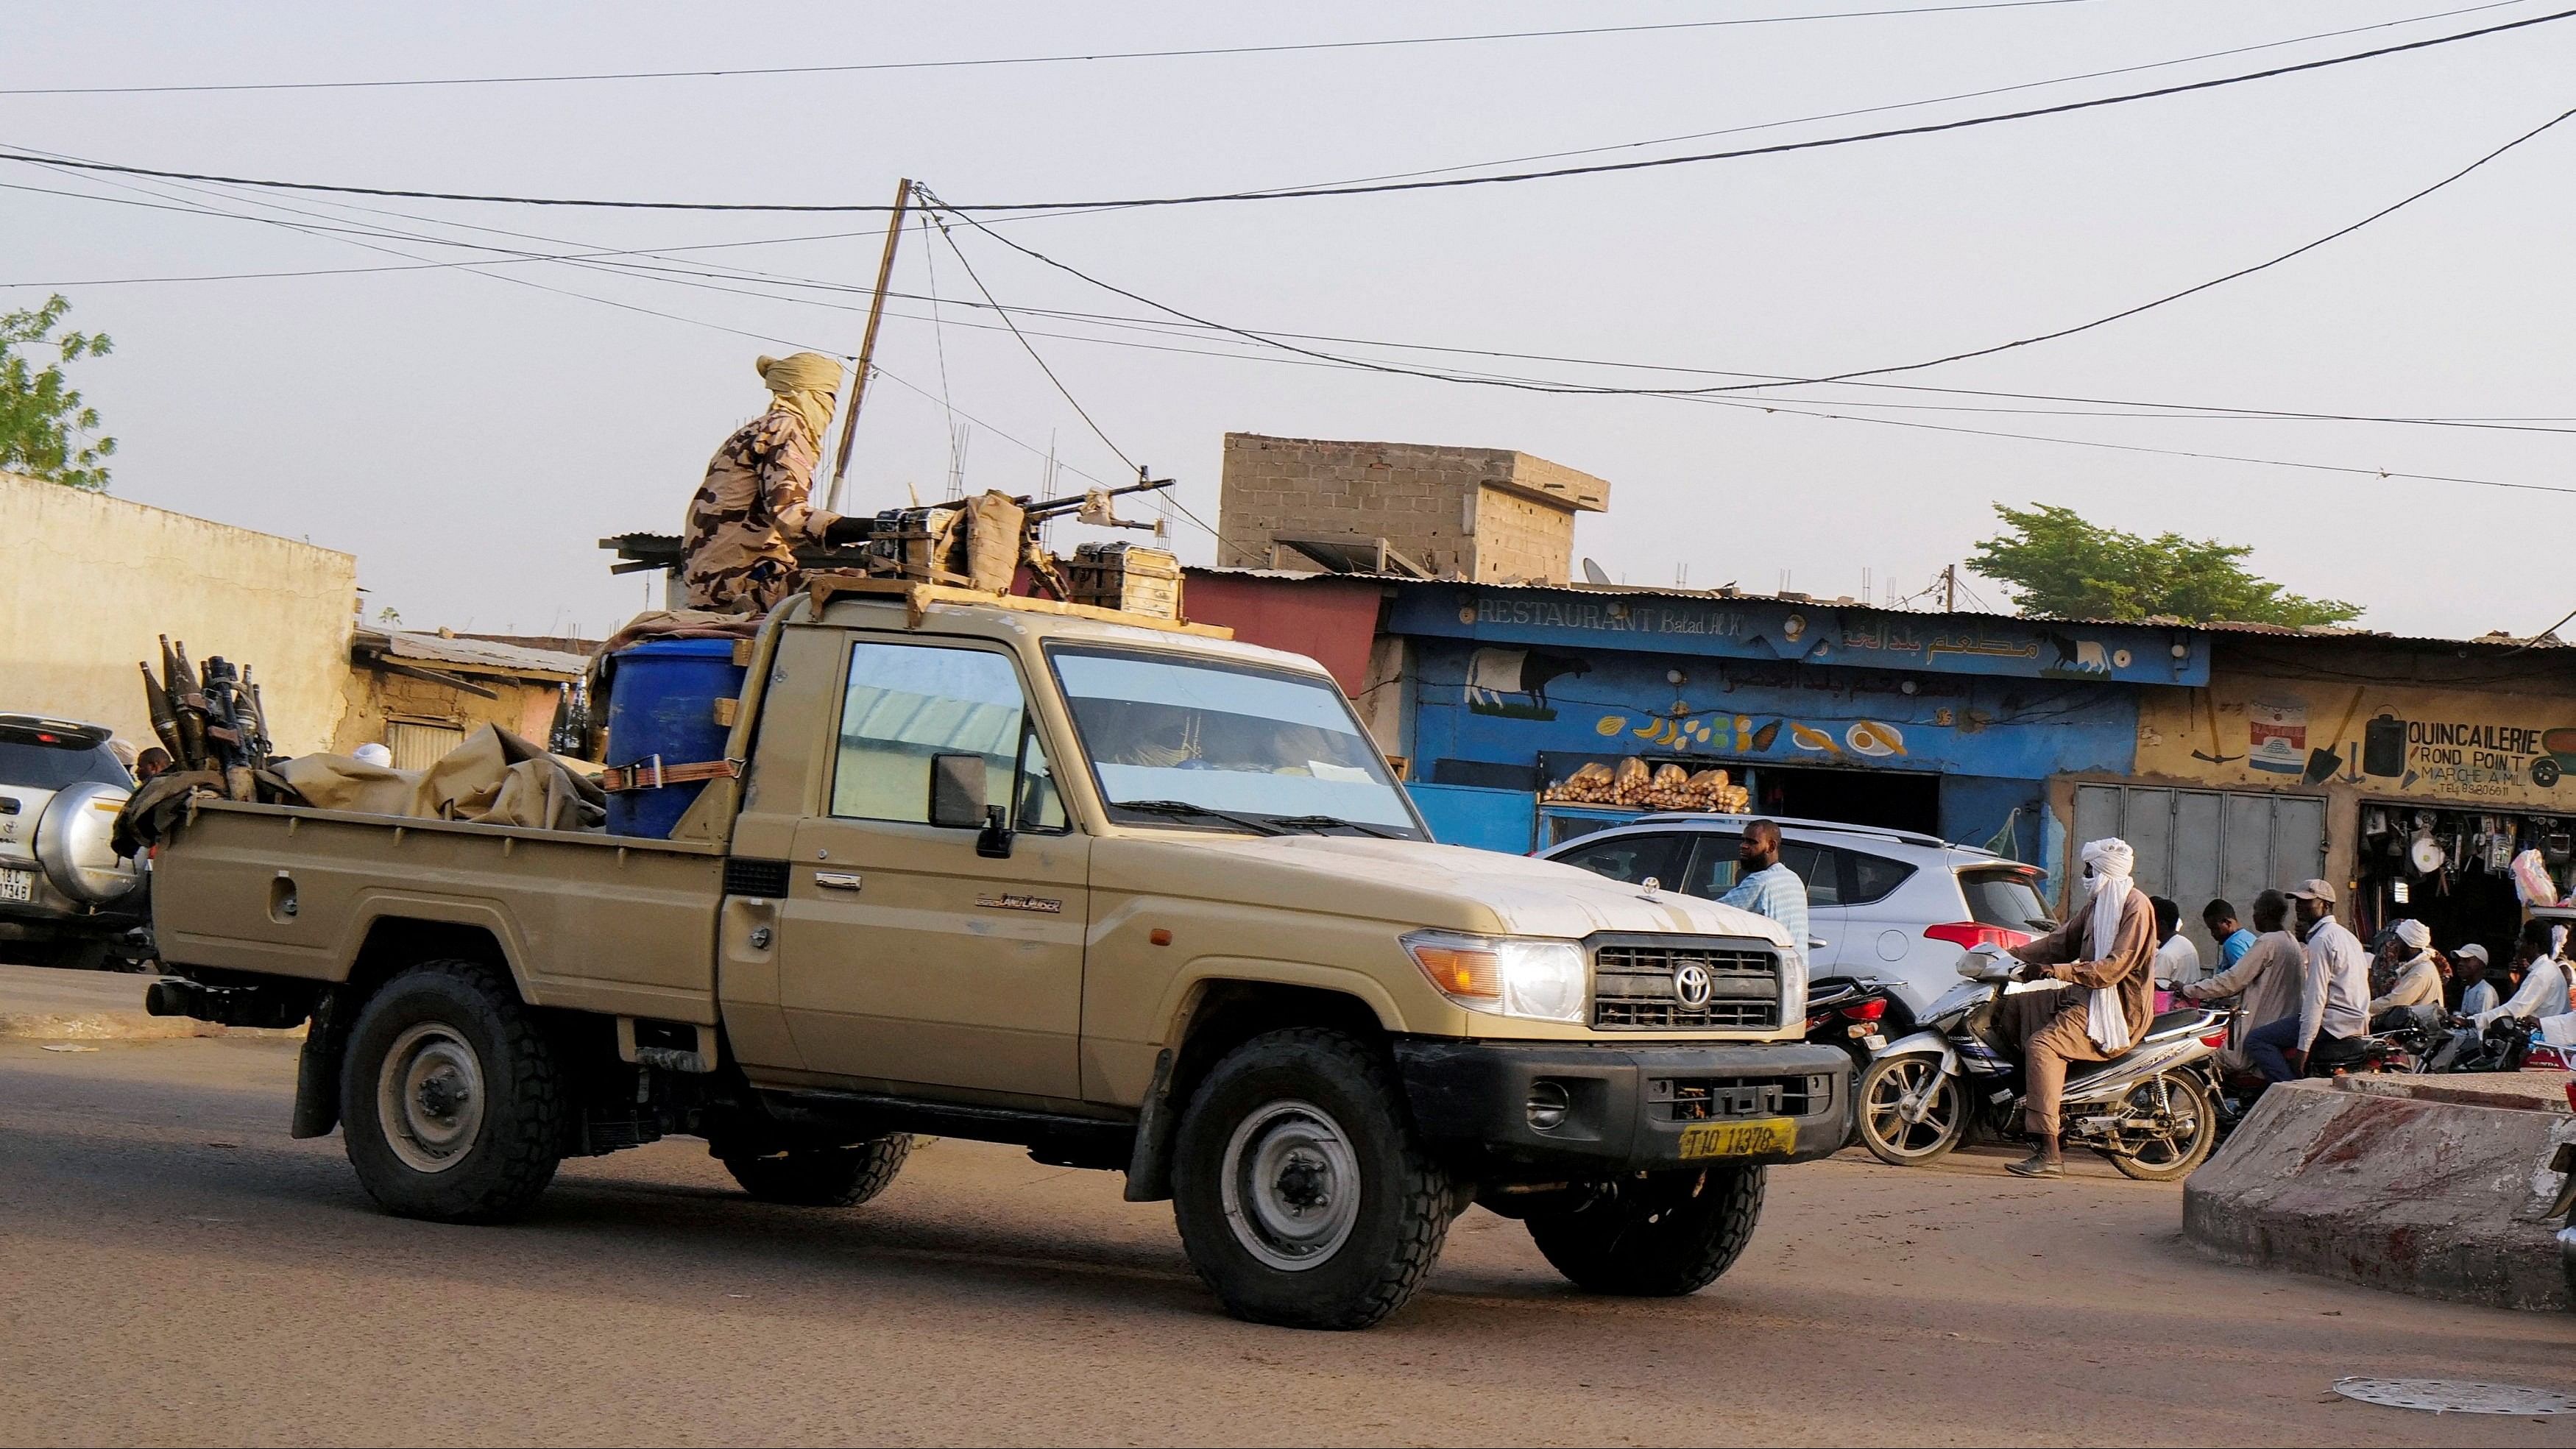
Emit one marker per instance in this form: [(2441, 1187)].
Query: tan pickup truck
[(1134, 896)]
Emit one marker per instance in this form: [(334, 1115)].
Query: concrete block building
[(1483, 515)]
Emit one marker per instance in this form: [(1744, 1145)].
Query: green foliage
[(2061, 566), (46, 431)]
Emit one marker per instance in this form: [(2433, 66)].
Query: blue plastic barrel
[(662, 701)]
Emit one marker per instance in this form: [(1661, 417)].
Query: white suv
[(1891, 904)]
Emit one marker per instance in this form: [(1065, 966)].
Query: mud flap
[(1149, 1166), (317, 1069)]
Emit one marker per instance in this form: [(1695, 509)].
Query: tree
[(46, 431), (2060, 565)]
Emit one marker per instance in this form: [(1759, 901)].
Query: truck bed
[(611, 924)]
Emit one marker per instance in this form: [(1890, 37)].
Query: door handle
[(836, 880)]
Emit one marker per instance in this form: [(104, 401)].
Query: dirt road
[(174, 1269)]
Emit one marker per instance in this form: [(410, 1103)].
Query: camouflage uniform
[(739, 552)]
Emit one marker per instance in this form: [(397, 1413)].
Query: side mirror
[(957, 791)]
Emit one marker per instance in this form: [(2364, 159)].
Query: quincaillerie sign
[(2419, 743)]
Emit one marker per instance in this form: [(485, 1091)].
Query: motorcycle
[(1857, 1015), (2152, 1110)]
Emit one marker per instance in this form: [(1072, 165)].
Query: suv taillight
[(1969, 935)]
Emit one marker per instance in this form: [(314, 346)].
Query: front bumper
[(1625, 1106)]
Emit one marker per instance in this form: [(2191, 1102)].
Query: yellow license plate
[(1739, 1139)]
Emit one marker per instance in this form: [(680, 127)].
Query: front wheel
[(1908, 1111), (1302, 1196), (1659, 1236), (2186, 1127)]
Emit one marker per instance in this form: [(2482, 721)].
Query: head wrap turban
[(2415, 934), (808, 385)]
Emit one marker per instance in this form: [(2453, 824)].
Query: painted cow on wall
[(1514, 681)]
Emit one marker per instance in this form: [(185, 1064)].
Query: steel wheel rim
[(1290, 1185), (1884, 1108), (429, 1097)]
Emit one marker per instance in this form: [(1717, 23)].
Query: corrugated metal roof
[(480, 656), (2496, 640)]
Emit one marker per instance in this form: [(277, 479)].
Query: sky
[(471, 434)]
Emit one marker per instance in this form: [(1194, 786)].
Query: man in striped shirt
[(1769, 888)]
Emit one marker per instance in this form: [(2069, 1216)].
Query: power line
[(1367, 189), (1023, 60), (1915, 104), (605, 260), (2218, 281), (1527, 385), (931, 203)]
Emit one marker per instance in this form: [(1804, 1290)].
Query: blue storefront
[(1945, 723)]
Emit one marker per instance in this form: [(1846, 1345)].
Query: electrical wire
[(1199, 52), (932, 205), (1914, 104), (1750, 387), (1768, 405), (1371, 188), (2090, 406), (2195, 289)]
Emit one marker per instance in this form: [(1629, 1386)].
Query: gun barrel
[(1053, 506)]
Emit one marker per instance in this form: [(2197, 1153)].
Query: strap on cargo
[(650, 773)]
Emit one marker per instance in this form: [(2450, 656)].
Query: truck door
[(904, 955)]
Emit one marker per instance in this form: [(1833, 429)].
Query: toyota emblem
[(1693, 985)]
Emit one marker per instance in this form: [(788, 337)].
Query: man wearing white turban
[(2417, 992), (2105, 956), (739, 553)]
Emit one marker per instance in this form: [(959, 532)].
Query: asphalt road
[(174, 1269)]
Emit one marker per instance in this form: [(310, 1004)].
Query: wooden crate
[(1127, 577)]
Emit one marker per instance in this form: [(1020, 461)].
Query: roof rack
[(1845, 827), (917, 598)]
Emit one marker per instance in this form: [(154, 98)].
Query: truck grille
[(1634, 987)]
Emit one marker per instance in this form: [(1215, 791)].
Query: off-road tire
[(512, 1154), (1404, 1200), (823, 1176), (1660, 1236)]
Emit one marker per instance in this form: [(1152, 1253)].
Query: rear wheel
[(1659, 1236), (449, 1099), (823, 1176), (1908, 1111), (1302, 1196), (2186, 1128)]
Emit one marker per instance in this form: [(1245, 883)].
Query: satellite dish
[(1593, 574)]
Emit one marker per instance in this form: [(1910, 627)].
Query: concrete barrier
[(2433, 1186)]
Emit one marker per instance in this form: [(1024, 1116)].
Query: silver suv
[(1890, 904), (65, 897)]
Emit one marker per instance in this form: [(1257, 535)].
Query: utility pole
[(868, 342), (1950, 589)]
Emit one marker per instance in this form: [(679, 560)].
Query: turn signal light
[(2216, 1040), (1461, 971), (1969, 935)]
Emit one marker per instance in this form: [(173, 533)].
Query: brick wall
[(1483, 513)]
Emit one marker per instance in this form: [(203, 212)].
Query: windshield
[(1246, 741)]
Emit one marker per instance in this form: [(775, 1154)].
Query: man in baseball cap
[(2477, 993), (2334, 998)]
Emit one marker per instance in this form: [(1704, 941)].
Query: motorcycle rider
[(2265, 979), (2108, 950)]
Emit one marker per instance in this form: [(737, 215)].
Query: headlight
[(1506, 975)]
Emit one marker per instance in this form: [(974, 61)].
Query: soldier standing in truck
[(739, 550)]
